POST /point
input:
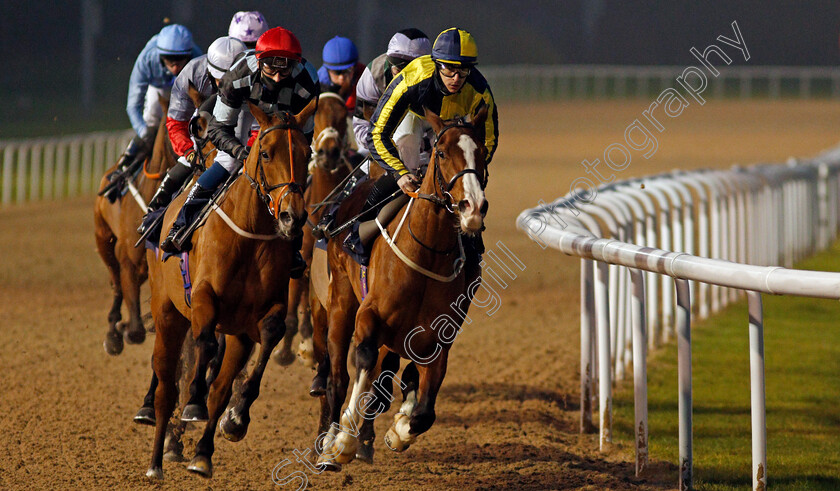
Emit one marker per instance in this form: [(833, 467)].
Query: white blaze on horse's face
[(471, 217)]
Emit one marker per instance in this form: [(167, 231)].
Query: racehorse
[(414, 276), (239, 273), (116, 232), (328, 167)]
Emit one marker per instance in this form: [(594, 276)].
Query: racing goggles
[(450, 71), (277, 64)]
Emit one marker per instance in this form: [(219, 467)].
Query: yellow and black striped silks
[(414, 89)]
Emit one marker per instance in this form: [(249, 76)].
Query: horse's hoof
[(283, 357), (173, 449), (155, 473), (233, 426), (201, 465), (145, 416), (365, 453), (306, 353), (113, 343), (194, 413), (327, 465), (318, 386), (392, 437), (136, 336), (148, 322)]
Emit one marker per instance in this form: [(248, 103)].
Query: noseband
[(262, 187)]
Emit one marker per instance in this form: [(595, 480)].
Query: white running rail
[(747, 224), (38, 169)]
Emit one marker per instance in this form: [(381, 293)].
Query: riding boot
[(198, 197), (136, 151), (171, 183), (381, 190)]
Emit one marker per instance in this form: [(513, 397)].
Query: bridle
[(331, 133), (262, 187), (445, 199)]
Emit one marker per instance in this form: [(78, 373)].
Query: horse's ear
[(262, 118), (195, 95), (478, 121), (434, 120), (302, 117)]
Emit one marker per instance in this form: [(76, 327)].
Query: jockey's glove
[(242, 153)]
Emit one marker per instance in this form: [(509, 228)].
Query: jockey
[(403, 47), (247, 27), (446, 83), (275, 77), (203, 73), (341, 70), (155, 69)]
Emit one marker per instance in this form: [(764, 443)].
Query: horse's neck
[(429, 222), (243, 205)]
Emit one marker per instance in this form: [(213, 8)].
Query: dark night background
[(41, 78)]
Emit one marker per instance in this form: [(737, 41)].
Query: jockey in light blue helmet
[(154, 71)]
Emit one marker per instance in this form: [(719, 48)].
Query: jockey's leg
[(172, 182), (201, 191)]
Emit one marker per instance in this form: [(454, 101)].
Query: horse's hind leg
[(131, 277), (171, 328), (237, 352), (416, 418), (234, 424), (105, 241), (206, 346), (315, 349)]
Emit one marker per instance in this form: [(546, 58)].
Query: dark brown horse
[(116, 232), (239, 266), (414, 276), (328, 167)]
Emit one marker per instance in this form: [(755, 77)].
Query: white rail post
[(87, 165), (60, 169), (602, 314), (757, 403), (8, 172), (22, 173), (587, 333), (49, 169), (74, 170), (684, 382), (35, 161), (640, 404)]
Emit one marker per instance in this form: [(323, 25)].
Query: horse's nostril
[(484, 207), (463, 206), (286, 217)]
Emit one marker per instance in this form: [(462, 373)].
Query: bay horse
[(414, 276), (328, 167), (240, 279), (115, 228)]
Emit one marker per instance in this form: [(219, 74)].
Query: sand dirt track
[(507, 412)]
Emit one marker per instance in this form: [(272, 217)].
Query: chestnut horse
[(414, 276), (328, 167), (240, 278)]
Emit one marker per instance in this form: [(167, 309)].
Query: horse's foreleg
[(416, 416), (237, 352), (146, 414), (105, 241), (235, 422), (315, 349), (386, 368), (361, 405), (284, 355), (305, 319), (130, 280), (204, 332), (170, 335)]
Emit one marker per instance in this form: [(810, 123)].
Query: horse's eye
[(320, 151), (440, 154), (264, 155)]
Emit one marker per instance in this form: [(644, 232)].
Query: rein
[(262, 187)]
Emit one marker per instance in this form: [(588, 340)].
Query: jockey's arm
[(491, 125), (389, 113), (367, 95), (138, 84), (221, 129), (181, 108)]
